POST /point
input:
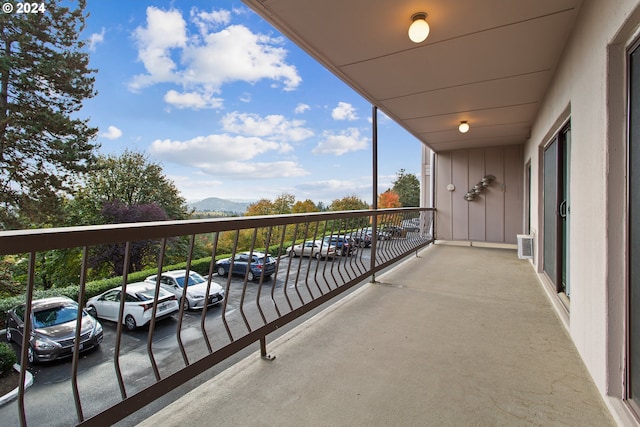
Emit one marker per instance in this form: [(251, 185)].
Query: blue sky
[(229, 107)]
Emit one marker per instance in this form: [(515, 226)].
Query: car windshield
[(194, 279), (55, 316)]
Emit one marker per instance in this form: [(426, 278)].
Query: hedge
[(8, 357)]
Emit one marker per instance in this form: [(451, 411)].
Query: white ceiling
[(488, 62)]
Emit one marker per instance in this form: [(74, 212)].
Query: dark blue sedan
[(255, 263)]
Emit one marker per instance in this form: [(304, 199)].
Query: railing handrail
[(45, 239)]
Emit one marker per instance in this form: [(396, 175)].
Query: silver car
[(53, 328)]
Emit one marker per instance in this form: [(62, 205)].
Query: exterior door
[(557, 210)]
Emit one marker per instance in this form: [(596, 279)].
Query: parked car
[(344, 245), (138, 304), (382, 235), (360, 239), (411, 224), (312, 248), (173, 281), (394, 231), (255, 263), (53, 328)]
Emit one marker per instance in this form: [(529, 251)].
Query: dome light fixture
[(419, 29), (464, 127)]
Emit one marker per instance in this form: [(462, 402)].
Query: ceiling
[(488, 62)]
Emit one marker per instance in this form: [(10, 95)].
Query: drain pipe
[(374, 222)]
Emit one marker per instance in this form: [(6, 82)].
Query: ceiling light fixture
[(464, 127), (419, 29)]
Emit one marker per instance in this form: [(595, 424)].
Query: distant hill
[(215, 204)]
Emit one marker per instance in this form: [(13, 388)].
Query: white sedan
[(312, 248), (138, 305), (173, 282)]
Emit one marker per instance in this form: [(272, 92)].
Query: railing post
[(374, 204), (263, 350)]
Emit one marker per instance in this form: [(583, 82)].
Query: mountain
[(215, 204)]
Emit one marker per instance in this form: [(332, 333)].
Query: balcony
[(452, 336), (133, 368), (445, 335)]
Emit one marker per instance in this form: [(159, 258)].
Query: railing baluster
[(152, 322), (183, 301), (76, 342), (228, 290), (203, 317), (246, 277)]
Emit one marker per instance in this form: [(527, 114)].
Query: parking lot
[(50, 400)]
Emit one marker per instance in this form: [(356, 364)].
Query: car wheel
[(292, 253), (221, 271), (251, 277), (130, 322), (185, 304), (318, 256), (31, 356)]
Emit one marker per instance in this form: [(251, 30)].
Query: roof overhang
[(487, 62)]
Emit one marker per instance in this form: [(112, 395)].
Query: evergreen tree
[(407, 187), (44, 78)]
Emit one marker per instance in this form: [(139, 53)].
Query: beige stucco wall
[(582, 90)]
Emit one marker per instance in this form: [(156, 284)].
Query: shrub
[(7, 357)]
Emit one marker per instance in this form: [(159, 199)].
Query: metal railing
[(251, 309)]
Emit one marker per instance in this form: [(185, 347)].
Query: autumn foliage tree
[(389, 199)]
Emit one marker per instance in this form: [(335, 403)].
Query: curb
[(28, 381)]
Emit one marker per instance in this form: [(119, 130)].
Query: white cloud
[(272, 126), (192, 100), (206, 21), (226, 155), (112, 133), (165, 30), (339, 144), (301, 108), (95, 39), (207, 60), (344, 111)]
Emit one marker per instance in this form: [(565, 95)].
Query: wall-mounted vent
[(525, 246)]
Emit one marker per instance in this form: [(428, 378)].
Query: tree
[(407, 187), (44, 78), (389, 199), (130, 179), (261, 207), (304, 207), (283, 204), (348, 203), (141, 252)]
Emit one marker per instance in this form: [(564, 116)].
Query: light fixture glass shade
[(464, 127), (419, 29)]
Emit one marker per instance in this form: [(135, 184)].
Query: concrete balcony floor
[(458, 336)]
